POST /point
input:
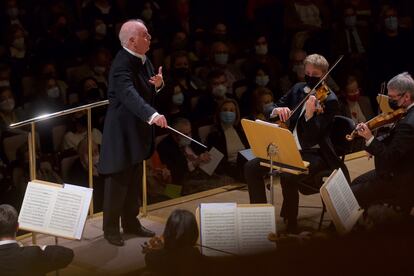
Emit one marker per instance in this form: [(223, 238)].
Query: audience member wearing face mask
[(228, 137), (208, 103), (261, 57), (296, 70), (353, 104), (393, 52), (181, 156), (352, 41), (101, 36), (182, 88), (220, 58)]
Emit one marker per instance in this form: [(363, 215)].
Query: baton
[(188, 137)]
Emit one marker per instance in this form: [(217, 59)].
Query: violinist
[(310, 126), (174, 253), (393, 176)]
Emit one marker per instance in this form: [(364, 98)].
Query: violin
[(155, 243), (321, 94), (379, 121)]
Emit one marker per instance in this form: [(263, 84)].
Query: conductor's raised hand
[(282, 112), (157, 80), (160, 121)]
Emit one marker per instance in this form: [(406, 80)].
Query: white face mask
[(101, 29), (7, 105), (221, 59), (261, 49), (4, 83), (53, 92), (262, 80), (178, 99), (220, 91)]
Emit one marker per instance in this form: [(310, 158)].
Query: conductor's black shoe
[(140, 231), (114, 239)]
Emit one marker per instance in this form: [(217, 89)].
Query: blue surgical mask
[(262, 80), (391, 23), (178, 99), (350, 21), (221, 59), (220, 91), (227, 117)]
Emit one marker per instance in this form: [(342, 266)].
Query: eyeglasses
[(146, 35), (396, 97)]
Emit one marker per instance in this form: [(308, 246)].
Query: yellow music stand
[(277, 145)]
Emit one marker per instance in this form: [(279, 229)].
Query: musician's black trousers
[(368, 188), (122, 199), (291, 184)]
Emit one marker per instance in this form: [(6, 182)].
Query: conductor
[(128, 136)]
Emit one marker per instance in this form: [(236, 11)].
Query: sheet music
[(218, 228), (35, 207), (211, 166), (248, 154), (254, 226), (55, 210), (86, 199), (342, 198)]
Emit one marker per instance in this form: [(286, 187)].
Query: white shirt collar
[(142, 57), (411, 105), (7, 242)]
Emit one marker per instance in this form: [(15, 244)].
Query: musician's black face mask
[(393, 103), (311, 81)]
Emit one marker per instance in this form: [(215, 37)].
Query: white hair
[(402, 83), (128, 30)]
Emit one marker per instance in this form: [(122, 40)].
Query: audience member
[(218, 90), (182, 156), (354, 105), (392, 52), (228, 137), (27, 260), (78, 131), (260, 102), (78, 173), (261, 56), (295, 71)]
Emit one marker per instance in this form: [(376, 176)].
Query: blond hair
[(317, 61)]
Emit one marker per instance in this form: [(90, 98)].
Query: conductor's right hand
[(160, 121), (282, 112)]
